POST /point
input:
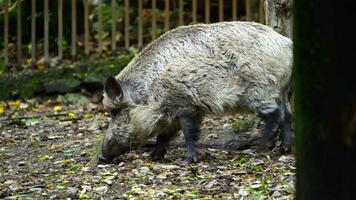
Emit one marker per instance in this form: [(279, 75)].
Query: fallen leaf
[(101, 190), (14, 103), (23, 106), (2, 109), (57, 108), (32, 122), (43, 157)]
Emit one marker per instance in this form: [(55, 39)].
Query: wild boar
[(194, 71)]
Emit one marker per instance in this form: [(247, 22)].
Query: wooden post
[(86, 27), (261, 12), (234, 10), (19, 35), (100, 18), (207, 11), (140, 32), (153, 31), (74, 28), (194, 9), (60, 29), (181, 12), (127, 24), (33, 32), (248, 9), (113, 27), (6, 32), (221, 10), (166, 15), (46, 21)]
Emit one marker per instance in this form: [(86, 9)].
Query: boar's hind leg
[(286, 129), (190, 124), (271, 118), (161, 145)]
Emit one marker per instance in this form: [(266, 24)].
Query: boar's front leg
[(190, 124), (162, 142)]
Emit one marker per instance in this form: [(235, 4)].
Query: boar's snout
[(111, 148)]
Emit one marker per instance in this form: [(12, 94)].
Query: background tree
[(278, 15), (325, 106)]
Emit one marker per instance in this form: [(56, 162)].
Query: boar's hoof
[(282, 150), (155, 156), (263, 145), (189, 160), (103, 159)]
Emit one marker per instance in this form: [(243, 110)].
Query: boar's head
[(118, 138)]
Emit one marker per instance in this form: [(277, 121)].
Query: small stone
[(88, 144), (95, 179), (9, 182), (53, 137), (276, 194), (72, 192), (255, 186), (103, 166), (243, 192), (101, 190), (86, 169), (35, 189), (170, 167), (212, 136), (144, 170), (86, 187), (283, 158), (109, 182), (82, 154)]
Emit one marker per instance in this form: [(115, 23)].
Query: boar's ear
[(112, 88)]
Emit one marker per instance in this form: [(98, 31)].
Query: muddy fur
[(215, 69)]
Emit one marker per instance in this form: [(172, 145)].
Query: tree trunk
[(325, 102), (278, 16)]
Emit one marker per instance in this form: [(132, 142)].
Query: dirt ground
[(46, 145)]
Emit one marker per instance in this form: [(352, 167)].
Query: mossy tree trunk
[(325, 106)]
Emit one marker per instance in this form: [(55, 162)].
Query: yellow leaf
[(70, 114), (64, 122), (29, 61), (23, 105), (57, 108), (43, 157), (2, 109), (40, 66), (15, 103), (83, 195)]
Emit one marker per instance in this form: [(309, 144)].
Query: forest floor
[(46, 145)]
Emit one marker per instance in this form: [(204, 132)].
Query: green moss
[(90, 73), (244, 125)]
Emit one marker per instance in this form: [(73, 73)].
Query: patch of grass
[(256, 167), (244, 159)]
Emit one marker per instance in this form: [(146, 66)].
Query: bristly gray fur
[(215, 69)]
